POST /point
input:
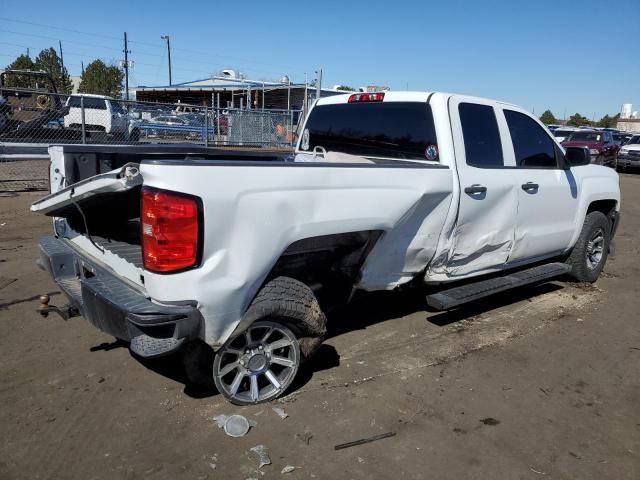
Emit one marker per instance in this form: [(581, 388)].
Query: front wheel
[(258, 364), (590, 252)]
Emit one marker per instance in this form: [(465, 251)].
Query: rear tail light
[(366, 97), (171, 226)]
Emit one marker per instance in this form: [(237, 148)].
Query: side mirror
[(577, 156)]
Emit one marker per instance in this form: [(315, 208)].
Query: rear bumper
[(116, 308)]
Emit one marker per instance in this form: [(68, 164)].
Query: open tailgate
[(116, 181)]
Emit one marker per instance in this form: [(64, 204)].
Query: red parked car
[(602, 147)]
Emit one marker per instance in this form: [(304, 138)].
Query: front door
[(485, 227), (548, 194)]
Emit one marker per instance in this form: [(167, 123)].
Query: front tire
[(590, 252)]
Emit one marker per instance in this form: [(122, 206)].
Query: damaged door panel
[(484, 231)]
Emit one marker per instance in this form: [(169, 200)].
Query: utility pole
[(82, 64), (27, 51), (61, 57), (166, 37), (125, 65), (318, 84)]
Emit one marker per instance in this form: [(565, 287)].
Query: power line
[(13, 20), (205, 71), (140, 42)]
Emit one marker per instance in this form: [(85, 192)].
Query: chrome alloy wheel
[(258, 364), (595, 249)]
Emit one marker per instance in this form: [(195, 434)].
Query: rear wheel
[(285, 327), (589, 255), (258, 364)]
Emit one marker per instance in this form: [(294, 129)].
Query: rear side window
[(531, 144), (89, 102), (95, 103), (481, 135), (399, 130), (74, 102)]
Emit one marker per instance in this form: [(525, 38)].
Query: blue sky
[(573, 56)]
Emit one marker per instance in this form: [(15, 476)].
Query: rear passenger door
[(547, 193), (485, 227)]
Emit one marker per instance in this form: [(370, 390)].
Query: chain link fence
[(42, 118)]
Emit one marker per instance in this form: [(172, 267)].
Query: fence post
[(290, 132), (82, 121), (217, 114), (206, 127)]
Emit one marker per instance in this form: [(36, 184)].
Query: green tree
[(547, 118), (23, 62), (345, 88), (49, 61), (101, 79), (577, 120), (608, 122)]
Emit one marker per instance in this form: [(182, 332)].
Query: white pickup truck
[(232, 256)]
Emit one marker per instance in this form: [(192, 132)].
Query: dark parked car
[(603, 149)]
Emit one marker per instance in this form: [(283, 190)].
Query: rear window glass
[(402, 130)]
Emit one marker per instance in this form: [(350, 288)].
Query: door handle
[(530, 186), (475, 188)]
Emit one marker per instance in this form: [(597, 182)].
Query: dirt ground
[(540, 383)]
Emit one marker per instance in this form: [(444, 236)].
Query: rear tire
[(590, 252), (289, 308), (294, 304)]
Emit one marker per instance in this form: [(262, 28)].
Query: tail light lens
[(171, 230)]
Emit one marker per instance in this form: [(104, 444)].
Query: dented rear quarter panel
[(252, 213)]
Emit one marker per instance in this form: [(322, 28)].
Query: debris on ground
[(492, 422), (220, 420), (234, 425), (364, 440), (280, 412), (263, 455), (288, 469)]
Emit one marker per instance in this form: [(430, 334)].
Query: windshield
[(401, 130), (586, 137), (635, 140), (562, 133)]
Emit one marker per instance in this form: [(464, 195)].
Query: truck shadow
[(172, 367), (371, 308), (365, 310)]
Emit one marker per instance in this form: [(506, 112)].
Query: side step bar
[(456, 296)]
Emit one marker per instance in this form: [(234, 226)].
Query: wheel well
[(605, 206), (327, 260)]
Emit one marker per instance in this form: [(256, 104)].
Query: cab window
[(532, 146), (481, 136)]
